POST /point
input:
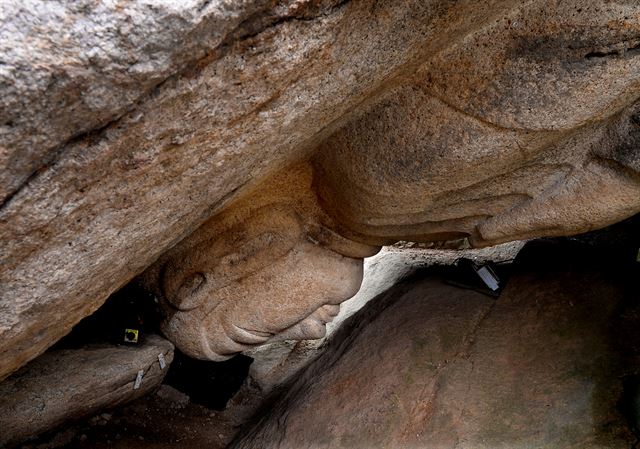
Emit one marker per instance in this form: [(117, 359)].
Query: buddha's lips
[(250, 336)]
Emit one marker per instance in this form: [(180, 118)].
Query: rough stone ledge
[(67, 384)]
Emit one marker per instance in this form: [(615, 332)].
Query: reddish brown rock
[(428, 365)]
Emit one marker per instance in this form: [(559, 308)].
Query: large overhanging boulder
[(124, 128), (80, 220)]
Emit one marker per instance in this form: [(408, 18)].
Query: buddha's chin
[(234, 340)]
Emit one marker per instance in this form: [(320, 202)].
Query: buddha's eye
[(185, 296)]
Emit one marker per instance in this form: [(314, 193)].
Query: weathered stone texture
[(430, 120), (431, 366), (68, 384), (275, 363), (515, 130), (268, 269), (113, 201), (73, 67)]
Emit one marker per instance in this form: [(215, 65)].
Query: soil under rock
[(165, 419)]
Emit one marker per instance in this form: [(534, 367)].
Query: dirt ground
[(165, 419)]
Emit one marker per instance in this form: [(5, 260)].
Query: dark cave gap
[(210, 384)]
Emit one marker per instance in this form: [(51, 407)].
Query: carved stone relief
[(269, 268)]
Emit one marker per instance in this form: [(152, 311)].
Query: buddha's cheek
[(253, 309), (187, 332)]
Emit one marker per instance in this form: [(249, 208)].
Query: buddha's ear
[(182, 284)]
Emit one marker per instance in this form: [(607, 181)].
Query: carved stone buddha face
[(265, 270)]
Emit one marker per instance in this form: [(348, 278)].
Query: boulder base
[(62, 385), (429, 365)]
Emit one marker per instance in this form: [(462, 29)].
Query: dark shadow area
[(210, 384), (614, 248), (630, 403), (128, 316)]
